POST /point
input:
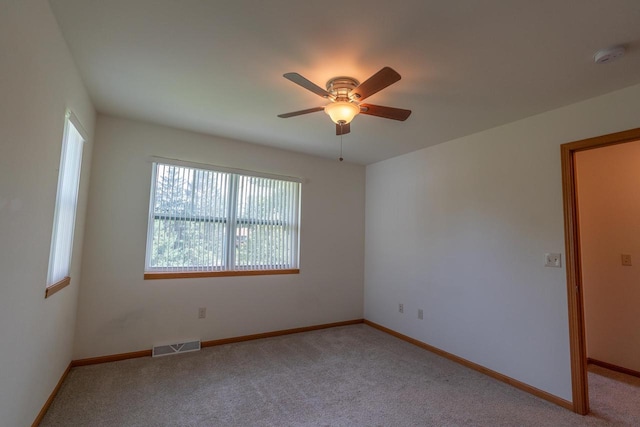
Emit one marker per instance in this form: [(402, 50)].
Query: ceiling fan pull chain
[(341, 159)]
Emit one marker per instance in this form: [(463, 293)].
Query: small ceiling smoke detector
[(609, 54)]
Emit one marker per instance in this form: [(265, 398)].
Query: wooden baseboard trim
[(279, 333), (613, 367), (47, 404), (147, 353), (496, 375), (110, 358)]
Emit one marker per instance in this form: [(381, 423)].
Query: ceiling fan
[(346, 94)]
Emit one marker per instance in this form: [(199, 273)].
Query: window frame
[(231, 222), (54, 285)]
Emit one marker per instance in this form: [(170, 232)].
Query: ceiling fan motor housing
[(341, 87)]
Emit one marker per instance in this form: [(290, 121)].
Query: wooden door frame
[(577, 342)]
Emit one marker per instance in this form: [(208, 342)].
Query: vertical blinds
[(214, 220), (66, 202)]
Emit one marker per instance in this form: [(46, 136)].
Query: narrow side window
[(65, 211)]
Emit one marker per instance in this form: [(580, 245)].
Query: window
[(210, 221), (64, 218)]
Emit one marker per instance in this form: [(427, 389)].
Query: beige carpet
[(347, 376)]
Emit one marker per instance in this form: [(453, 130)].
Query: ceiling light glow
[(342, 112)]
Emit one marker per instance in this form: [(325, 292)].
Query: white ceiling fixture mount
[(609, 54), (346, 93)]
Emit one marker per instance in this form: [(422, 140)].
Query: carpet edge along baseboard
[(496, 375), (49, 401), (613, 367), (212, 343), (147, 353)]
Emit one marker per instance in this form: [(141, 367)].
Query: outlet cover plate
[(552, 259)]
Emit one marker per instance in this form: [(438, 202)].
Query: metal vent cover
[(182, 347)]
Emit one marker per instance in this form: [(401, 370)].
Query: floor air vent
[(183, 347)]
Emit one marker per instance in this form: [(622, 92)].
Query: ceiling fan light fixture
[(345, 94), (342, 112)]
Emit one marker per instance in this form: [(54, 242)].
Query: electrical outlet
[(401, 308), (626, 260), (420, 314), (552, 260), (202, 312)]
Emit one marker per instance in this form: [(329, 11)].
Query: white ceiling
[(216, 66)]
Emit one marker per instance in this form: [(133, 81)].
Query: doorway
[(575, 289)]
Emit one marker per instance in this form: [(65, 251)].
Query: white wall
[(609, 206), (120, 312), (38, 81), (460, 230)]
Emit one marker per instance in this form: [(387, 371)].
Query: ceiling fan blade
[(386, 112), (344, 129), (301, 112), (307, 84), (383, 78)]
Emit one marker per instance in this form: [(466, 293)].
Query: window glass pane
[(189, 218), (265, 224), (267, 244), (188, 244), (184, 191)]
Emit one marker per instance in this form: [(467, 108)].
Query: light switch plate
[(626, 260), (552, 260)]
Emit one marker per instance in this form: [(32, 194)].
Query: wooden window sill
[(195, 274), (57, 287)]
